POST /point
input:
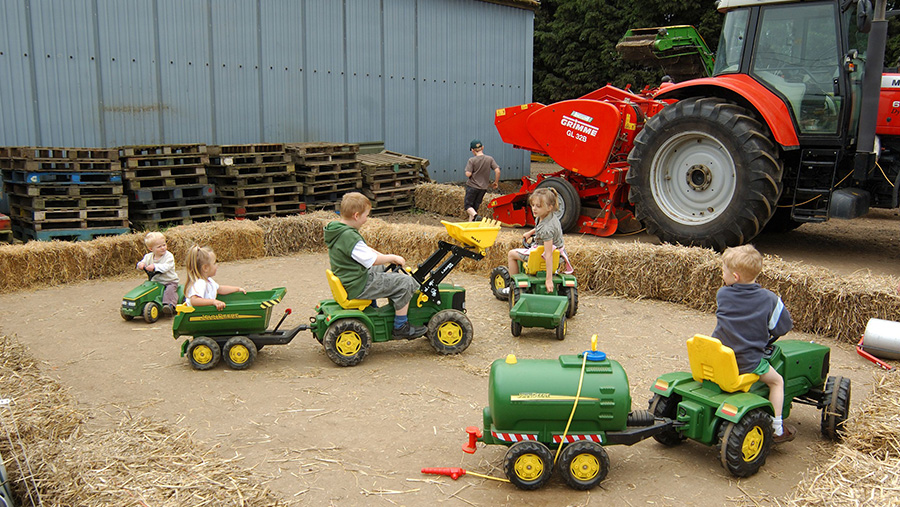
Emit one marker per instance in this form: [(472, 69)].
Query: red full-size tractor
[(781, 130)]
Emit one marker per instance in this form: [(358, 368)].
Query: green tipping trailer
[(234, 333)]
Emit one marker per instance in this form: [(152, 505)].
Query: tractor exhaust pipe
[(871, 90)]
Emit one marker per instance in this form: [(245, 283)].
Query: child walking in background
[(161, 264), (478, 178), (202, 290), (746, 316), (547, 232)]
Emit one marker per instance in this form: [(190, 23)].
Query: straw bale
[(448, 200), (51, 450), (230, 239), (297, 233), (865, 468), (41, 263)]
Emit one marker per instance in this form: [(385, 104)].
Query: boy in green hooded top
[(360, 268)]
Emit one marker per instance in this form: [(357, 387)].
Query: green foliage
[(575, 42)]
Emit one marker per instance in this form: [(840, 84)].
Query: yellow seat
[(536, 262), (710, 360), (340, 294)]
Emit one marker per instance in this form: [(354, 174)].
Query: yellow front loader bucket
[(480, 235)]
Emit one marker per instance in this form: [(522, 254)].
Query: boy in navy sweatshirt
[(747, 315)]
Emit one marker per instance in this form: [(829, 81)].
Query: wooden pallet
[(175, 210), (169, 181), (260, 189), (253, 171), (321, 148), (25, 234), (387, 209), (328, 188), (69, 202), (330, 168), (144, 195), (65, 215), (161, 150), (60, 165), (61, 190), (49, 154), (69, 224), (264, 210), (379, 162), (237, 149), (158, 204), (146, 173), (164, 162), (158, 225), (251, 159), (62, 177)]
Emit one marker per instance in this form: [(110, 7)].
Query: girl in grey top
[(547, 232)]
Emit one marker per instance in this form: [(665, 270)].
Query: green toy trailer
[(714, 405), (145, 301), (346, 327), (234, 333), (532, 278), (575, 405), (539, 310)]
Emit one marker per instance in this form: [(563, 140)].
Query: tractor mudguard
[(568, 280), (666, 384), (184, 346), (734, 408), (730, 86)]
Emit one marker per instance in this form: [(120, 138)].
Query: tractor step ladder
[(814, 184)]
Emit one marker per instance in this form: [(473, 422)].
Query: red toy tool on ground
[(456, 472)]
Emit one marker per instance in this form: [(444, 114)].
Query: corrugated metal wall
[(424, 76)]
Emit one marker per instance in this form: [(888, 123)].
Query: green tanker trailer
[(561, 412)]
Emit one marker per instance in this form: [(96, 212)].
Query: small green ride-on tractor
[(145, 301), (531, 279), (715, 405), (347, 327)]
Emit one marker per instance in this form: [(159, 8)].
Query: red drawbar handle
[(454, 473), (870, 357)]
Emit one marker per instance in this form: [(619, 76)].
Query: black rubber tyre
[(239, 352), (203, 353), (561, 328), (514, 294), (781, 222), (151, 312), (125, 316), (528, 464), (583, 464), (500, 279), (744, 446), (704, 173), (572, 294), (450, 332), (661, 406), (837, 407), (347, 342), (569, 201), (515, 328)]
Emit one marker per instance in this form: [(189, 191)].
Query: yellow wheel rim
[(753, 444), (499, 283), (584, 467), (238, 354), (154, 312), (529, 467), (348, 343), (450, 333), (202, 354)]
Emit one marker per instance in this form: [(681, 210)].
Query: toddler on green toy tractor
[(531, 278)]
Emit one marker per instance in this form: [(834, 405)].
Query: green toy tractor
[(346, 327), (531, 279), (715, 405), (145, 301)]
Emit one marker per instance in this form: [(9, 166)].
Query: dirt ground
[(327, 435)]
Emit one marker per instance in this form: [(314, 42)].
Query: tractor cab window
[(731, 42), (798, 55)]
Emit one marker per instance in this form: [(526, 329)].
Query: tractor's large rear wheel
[(704, 173), (569, 201)]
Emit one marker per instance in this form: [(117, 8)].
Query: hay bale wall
[(820, 302), (865, 468), (448, 200), (52, 453)]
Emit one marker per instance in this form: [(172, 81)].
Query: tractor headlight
[(128, 304)]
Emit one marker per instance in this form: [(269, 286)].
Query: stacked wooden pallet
[(390, 178), (254, 180), (167, 186), (326, 170), (64, 193)]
